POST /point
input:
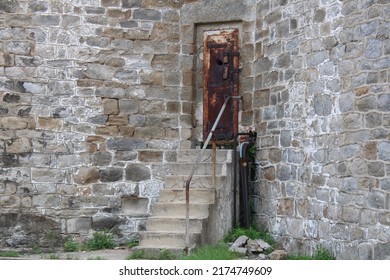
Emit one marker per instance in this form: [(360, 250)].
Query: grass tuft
[(251, 232), (137, 255), (70, 245), (9, 254), (132, 243), (217, 252), (321, 254), (101, 240)]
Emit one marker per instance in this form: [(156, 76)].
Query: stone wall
[(321, 107), (96, 96)]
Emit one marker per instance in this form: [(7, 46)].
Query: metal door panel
[(220, 80)]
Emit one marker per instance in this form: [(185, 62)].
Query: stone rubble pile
[(256, 249)]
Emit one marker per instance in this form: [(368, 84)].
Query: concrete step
[(165, 229), (172, 195), (178, 210), (168, 239), (197, 182), (169, 224), (191, 156), (202, 169)]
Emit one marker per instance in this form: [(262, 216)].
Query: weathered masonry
[(99, 99)]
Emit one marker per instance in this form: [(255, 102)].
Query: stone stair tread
[(165, 233), (178, 232), (165, 228), (181, 203), (198, 182), (167, 224), (192, 155), (185, 168), (161, 247), (171, 195), (175, 219), (175, 211), (158, 238), (196, 176)]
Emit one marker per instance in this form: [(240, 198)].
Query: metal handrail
[(188, 181)]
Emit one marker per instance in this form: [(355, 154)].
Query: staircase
[(211, 201)]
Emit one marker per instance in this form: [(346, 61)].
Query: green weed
[(53, 257), (137, 255), (9, 254), (166, 255), (251, 232), (70, 245), (217, 252), (132, 243), (321, 254), (101, 240), (36, 249), (97, 258)]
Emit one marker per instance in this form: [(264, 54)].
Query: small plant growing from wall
[(101, 240), (70, 245)]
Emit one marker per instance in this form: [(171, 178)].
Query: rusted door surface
[(220, 80)]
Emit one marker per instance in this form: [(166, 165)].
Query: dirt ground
[(114, 254)]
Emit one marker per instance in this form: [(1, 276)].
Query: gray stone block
[(385, 184), (384, 102), (48, 175), (366, 103), (373, 120), (374, 48), (283, 172), (319, 15), (350, 214), (9, 6), (315, 59), (120, 144), (283, 29), (19, 47), (147, 14), (38, 6), (101, 158), (111, 174), (102, 221), (285, 138), (376, 169), (353, 121), (295, 156), (46, 20), (87, 175), (323, 105), (376, 200), (79, 225), (137, 173), (217, 11), (100, 72), (131, 3), (382, 251)]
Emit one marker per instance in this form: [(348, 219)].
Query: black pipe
[(244, 198), (252, 137)]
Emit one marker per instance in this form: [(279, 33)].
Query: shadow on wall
[(29, 230)]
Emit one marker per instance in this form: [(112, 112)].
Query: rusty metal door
[(220, 80)]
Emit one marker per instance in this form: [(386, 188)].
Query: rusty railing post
[(188, 181)]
